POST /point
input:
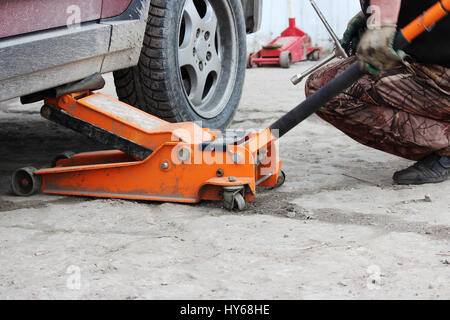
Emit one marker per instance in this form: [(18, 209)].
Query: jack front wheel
[(24, 182)]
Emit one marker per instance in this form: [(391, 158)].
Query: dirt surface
[(338, 228)]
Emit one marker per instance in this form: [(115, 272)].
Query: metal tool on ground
[(292, 46), (338, 51), (176, 162)]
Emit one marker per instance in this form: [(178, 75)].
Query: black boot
[(432, 169)]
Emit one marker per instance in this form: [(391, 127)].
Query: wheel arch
[(252, 13)]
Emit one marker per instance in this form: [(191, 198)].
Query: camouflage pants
[(404, 111)]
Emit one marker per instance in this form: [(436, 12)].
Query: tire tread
[(146, 86), (152, 75)]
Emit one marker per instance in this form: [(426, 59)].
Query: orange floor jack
[(181, 162), (154, 160)]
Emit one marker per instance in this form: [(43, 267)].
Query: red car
[(181, 60)]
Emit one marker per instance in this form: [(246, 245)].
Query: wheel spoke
[(186, 56), (215, 63), (200, 55), (210, 20), (191, 11), (196, 95)]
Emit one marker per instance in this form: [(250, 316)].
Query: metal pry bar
[(339, 52)]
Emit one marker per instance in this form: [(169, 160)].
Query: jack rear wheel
[(314, 56), (249, 63), (24, 182), (281, 179)]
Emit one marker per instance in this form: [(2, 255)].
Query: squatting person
[(404, 108)]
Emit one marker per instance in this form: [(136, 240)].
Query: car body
[(49, 43)]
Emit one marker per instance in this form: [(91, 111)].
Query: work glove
[(375, 51), (352, 35)]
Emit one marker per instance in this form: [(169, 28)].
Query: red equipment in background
[(292, 46)]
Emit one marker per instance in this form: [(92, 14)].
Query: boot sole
[(418, 183)]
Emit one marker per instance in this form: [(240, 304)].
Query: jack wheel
[(249, 64), (24, 182), (281, 179), (239, 202), (233, 198), (285, 59), (61, 156), (314, 56)]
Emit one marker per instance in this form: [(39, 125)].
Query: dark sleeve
[(364, 5)]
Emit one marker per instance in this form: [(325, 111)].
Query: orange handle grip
[(427, 20)]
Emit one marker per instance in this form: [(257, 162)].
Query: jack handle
[(313, 103), (339, 52)]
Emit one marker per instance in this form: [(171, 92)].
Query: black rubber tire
[(249, 66), (239, 202), (32, 185), (314, 56), (281, 179), (285, 59), (155, 86)]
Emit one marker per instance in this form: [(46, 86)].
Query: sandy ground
[(338, 228)]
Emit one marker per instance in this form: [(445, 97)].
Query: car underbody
[(102, 46)]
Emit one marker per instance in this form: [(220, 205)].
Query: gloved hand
[(355, 29), (375, 51)]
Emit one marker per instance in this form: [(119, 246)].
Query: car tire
[(168, 80)]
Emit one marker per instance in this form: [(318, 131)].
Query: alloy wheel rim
[(204, 39)]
